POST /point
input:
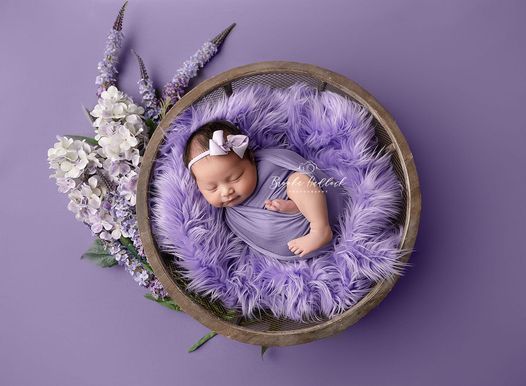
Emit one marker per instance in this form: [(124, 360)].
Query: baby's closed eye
[(236, 178), (212, 188)]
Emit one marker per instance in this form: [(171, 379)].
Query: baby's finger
[(271, 207)]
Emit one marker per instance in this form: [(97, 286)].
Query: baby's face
[(225, 180)]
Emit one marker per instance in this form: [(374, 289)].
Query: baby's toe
[(294, 248)]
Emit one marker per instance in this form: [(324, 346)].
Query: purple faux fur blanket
[(338, 136)]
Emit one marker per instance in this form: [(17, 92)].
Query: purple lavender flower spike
[(150, 101), (109, 185), (220, 38), (117, 26), (175, 88), (108, 66)]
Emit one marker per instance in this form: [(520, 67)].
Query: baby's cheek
[(214, 202), (209, 198), (250, 183)]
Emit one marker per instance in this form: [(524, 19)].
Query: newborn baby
[(269, 200)]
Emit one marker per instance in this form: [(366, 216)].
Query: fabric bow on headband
[(217, 146)]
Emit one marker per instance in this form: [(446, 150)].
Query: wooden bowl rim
[(339, 322)]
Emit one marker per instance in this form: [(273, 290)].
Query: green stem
[(130, 247), (202, 341), (166, 302)]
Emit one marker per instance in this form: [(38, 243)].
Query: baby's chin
[(236, 201)]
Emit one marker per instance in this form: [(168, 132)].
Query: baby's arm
[(312, 203), (283, 206)]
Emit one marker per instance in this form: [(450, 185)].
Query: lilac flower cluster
[(176, 87)]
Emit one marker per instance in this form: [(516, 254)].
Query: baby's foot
[(284, 206), (316, 238)]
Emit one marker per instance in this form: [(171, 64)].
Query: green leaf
[(98, 254), (230, 314), (89, 140), (165, 106), (202, 341), (91, 118), (263, 349), (147, 266), (166, 302), (130, 247), (151, 126), (126, 242)]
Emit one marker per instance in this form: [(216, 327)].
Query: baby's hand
[(283, 206)]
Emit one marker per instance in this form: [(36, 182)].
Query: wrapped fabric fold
[(268, 231)]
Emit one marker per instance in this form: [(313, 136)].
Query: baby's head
[(225, 180)]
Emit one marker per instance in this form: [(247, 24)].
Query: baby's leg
[(312, 203)]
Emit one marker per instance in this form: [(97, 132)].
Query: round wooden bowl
[(268, 330)]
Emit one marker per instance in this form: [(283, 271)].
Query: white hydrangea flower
[(65, 185), (117, 168), (115, 234), (133, 109), (112, 94), (78, 205), (114, 105), (128, 187), (134, 123), (101, 221), (94, 191), (70, 158), (116, 145), (106, 129), (133, 156), (86, 200)]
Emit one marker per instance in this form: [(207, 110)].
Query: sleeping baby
[(273, 199)]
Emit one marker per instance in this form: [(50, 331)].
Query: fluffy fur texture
[(324, 127)]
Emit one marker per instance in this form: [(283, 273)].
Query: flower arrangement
[(99, 174)]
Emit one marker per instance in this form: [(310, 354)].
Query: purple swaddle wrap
[(268, 231)]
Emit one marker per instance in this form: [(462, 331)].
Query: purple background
[(452, 73)]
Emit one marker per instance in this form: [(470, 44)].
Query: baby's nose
[(227, 191)]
